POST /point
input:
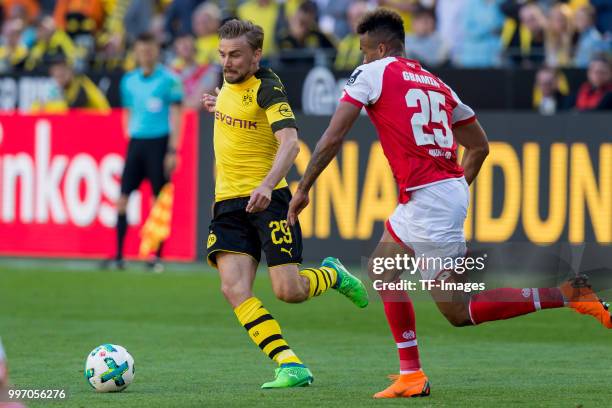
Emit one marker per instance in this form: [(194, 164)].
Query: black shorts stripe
[(257, 321), (278, 350), (269, 340)]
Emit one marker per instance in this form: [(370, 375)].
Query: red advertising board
[(59, 179)]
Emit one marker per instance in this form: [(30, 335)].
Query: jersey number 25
[(430, 102)]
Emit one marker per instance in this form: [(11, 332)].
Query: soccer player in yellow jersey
[(256, 143)]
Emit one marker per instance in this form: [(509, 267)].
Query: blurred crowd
[(89, 35)]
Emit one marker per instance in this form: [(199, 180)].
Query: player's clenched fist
[(299, 201), (210, 101)]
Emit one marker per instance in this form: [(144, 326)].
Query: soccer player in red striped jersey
[(420, 122)]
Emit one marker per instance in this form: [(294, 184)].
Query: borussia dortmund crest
[(212, 238), (247, 98)]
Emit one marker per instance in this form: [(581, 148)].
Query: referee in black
[(151, 96)]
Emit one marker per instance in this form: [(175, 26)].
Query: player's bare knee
[(235, 292)]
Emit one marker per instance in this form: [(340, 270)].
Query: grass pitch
[(191, 352)]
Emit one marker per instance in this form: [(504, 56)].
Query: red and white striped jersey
[(414, 113)]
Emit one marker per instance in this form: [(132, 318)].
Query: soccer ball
[(109, 368)]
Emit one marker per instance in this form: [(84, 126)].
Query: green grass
[(191, 352)]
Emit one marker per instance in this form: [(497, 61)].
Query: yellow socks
[(320, 279), (265, 331)]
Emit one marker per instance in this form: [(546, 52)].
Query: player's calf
[(466, 309), (288, 285), (456, 313), (454, 305), (237, 273), (235, 292), (506, 303), (293, 286), (290, 293)]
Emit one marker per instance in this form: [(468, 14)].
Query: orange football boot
[(406, 385), (583, 299)]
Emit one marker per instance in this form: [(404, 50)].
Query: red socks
[(505, 303), (400, 316), (490, 305)]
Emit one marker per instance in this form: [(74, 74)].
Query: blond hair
[(559, 44)]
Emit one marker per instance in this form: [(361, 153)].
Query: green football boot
[(290, 375), (347, 284)]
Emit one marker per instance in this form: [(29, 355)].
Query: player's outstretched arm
[(327, 148), (473, 137), (284, 159)]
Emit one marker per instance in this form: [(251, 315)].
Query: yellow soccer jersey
[(246, 117)]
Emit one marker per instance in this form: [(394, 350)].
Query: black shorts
[(145, 160), (234, 230)]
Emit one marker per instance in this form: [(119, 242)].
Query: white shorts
[(431, 223)]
